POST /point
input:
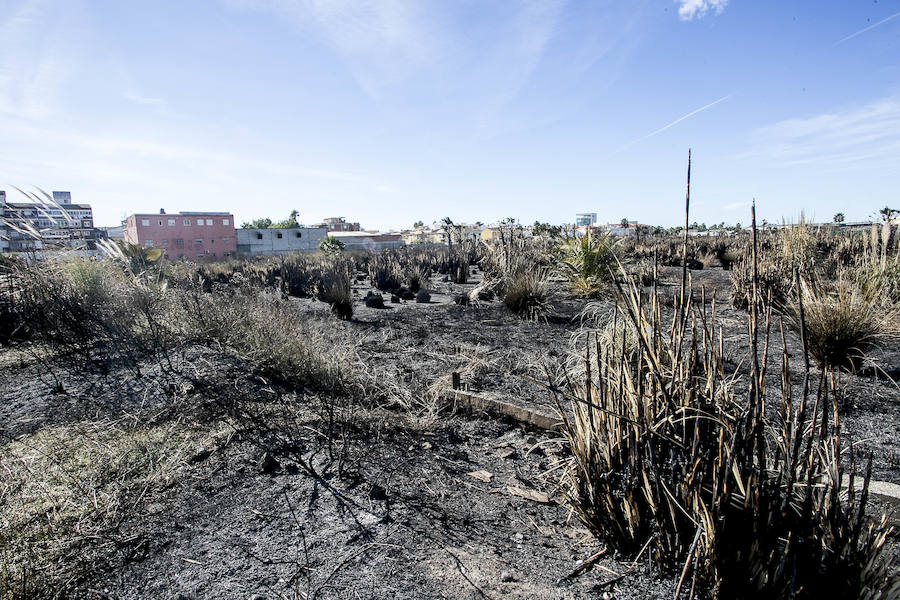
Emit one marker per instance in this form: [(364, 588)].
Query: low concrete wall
[(270, 242)]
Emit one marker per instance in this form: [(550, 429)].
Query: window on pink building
[(145, 222), (187, 222), (199, 221), (226, 222), (209, 221), (171, 222)]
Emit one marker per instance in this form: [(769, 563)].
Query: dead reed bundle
[(386, 272), (334, 287), (744, 499)]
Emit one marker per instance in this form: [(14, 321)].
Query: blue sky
[(390, 111)]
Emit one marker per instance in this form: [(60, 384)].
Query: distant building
[(184, 235), (340, 224), (368, 240), (618, 229), (441, 235), (585, 219), (267, 242), (116, 232), (422, 235), (496, 234), (28, 226)]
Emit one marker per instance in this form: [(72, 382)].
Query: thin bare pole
[(754, 307), (687, 210)]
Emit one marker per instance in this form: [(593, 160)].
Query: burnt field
[(289, 428)]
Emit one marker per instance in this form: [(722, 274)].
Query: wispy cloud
[(396, 49), (38, 53), (697, 9), (380, 41), (675, 122), (865, 29), (139, 150), (130, 171), (736, 205), (142, 100), (854, 137)]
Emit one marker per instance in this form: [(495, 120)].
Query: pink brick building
[(189, 235)]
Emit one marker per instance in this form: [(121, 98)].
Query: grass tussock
[(101, 318), (94, 312), (268, 332), (843, 323), (525, 293)]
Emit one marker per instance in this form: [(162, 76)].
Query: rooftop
[(208, 212)]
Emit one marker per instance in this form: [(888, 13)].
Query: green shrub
[(586, 264), (331, 245)]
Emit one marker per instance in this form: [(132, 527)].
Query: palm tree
[(586, 262), (139, 260)]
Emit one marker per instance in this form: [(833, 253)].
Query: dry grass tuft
[(525, 292), (843, 324), (66, 490)]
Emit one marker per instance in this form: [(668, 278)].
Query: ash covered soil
[(501, 356), (430, 504)]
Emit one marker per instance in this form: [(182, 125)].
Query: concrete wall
[(262, 242), (376, 242)]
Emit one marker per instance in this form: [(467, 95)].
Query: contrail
[(865, 29), (675, 122)]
